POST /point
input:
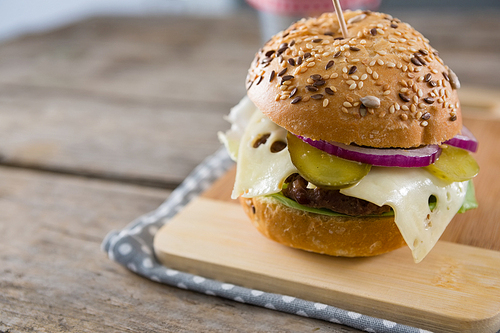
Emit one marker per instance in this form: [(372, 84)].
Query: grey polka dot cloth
[(133, 248)]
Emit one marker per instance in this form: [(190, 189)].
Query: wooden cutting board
[(456, 288)]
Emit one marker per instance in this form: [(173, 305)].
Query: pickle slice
[(454, 165), (323, 169)]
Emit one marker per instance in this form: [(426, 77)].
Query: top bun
[(383, 86)]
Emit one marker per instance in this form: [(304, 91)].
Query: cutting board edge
[(459, 324)]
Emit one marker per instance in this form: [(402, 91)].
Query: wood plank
[(154, 58), (126, 140), (55, 278), (455, 289)]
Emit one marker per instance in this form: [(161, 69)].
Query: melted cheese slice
[(407, 191), (260, 171), (239, 118)]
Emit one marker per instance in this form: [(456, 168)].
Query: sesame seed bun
[(383, 86), (333, 235)]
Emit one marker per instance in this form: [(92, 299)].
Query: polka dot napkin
[(133, 248)]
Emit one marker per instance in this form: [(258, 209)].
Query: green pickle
[(323, 169), (454, 165)]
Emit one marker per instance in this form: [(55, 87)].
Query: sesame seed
[(349, 82), (391, 64), (375, 75), (404, 117), (325, 102), (381, 32), (420, 93), (405, 108), (334, 76), (360, 85), (392, 109), (372, 63), (309, 46), (369, 70), (403, 90), (277, 98), (422, 105), (347, 105), (345, 110), (397, 106), (311, 64), (349, 99), (283, 88), (415, 99), (380, 62), (413, 108), (387, 92), (424, 123), (393, 40), (306, 98), (296, 100), (352, 86), (354, 60)]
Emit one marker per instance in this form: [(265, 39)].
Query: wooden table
[(99, 121)]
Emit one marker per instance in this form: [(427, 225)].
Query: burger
[(351, 145)]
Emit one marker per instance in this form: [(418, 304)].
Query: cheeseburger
[(351, 146)]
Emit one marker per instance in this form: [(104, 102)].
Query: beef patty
[(330, 199)]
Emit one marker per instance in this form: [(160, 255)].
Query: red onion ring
[(388, 157), (466, 140)]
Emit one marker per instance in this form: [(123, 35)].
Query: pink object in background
[(302, 7), (277, 15)]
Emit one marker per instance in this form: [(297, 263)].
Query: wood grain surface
[(99, 119)]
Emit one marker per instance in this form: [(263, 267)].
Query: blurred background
[(25, 16)]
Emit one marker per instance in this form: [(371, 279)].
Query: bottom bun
[(344, 236)]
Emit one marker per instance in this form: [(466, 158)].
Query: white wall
[(24, 16)]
